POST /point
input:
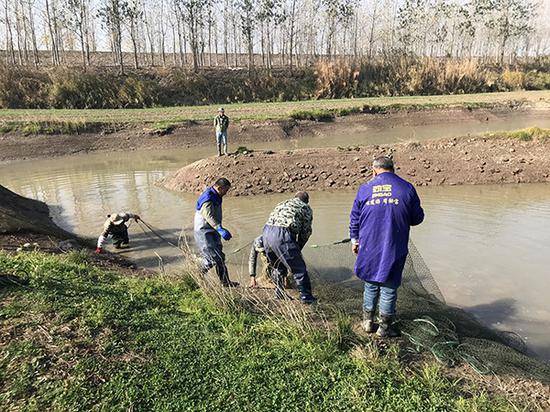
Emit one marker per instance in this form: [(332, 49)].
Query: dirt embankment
[(20, 214), (15, 146), (25, 225), (479, 160)]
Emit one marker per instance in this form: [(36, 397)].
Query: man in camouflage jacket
[(285, 234), (221, 123)]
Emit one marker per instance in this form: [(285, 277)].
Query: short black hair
[(222, 182), (383, 162), (303, 196)]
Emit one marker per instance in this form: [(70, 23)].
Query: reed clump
[(103, 88)]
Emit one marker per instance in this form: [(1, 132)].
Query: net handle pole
[(338, 242)]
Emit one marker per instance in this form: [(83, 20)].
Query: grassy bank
[(75, 337), (56, 121), (526, 135)]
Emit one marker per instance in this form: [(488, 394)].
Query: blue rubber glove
[(224, 233)]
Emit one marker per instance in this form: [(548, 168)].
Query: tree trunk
[(174, 52), (209, 37), (291, 39), (268, 57), (225, 45), (133, 37), (10, 52), (180, 42), (371, 33), (55, 61), (235, 42), (149, 35)]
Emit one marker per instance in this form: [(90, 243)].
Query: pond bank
[(363, 128)]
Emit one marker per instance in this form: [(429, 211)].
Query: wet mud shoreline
[(16, 146)]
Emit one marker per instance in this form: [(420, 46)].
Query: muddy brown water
[(485, 245), (419, 126)]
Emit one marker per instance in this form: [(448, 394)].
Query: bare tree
[(192, 13), (248, 16), (132, 15), (50, 15), (508, 18), (76, 15), (10, 49), (113, 14)]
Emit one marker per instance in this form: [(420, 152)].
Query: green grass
[(79, 338), (531, 133), (52, 127), (162, 116)]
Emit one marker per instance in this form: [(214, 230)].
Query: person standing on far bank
[(221, 123), (383, 212)]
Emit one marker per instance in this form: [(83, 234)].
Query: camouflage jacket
[(296, 215)]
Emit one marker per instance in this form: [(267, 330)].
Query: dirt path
[(19, 147), (479, 160)]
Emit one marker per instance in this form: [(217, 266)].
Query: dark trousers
[(120, 235), (284, 255), (210, 246)]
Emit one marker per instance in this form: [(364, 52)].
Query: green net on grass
[(428, 324)]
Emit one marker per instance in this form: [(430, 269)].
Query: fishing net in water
[(428, 324)]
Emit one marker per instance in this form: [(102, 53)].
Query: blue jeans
[(383, 294), (221, 137)]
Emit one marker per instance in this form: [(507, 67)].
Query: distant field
[(263, 111)]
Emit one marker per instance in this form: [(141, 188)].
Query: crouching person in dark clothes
[(208, 230), (285, 234), (384, 210), (115, 226)]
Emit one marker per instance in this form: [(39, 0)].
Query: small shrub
[(512, 80), (243, 150), (347, 111), (137, 92), (536, 80), (317, 115), (83, 90), (23, 88), (524, 134)]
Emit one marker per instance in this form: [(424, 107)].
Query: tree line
[(268, 33)]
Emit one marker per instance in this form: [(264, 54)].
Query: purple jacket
[(383, 212)]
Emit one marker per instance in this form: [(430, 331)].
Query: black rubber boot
[(223, 275), (219, 149), (388, 327), (304, 287), (368, 322)]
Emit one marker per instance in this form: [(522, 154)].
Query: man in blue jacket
[(383, 211), (208, 230)]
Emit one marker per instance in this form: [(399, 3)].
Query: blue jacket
[(209, 195), (383, 212)]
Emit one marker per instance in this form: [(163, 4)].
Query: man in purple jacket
[(384, 210)]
